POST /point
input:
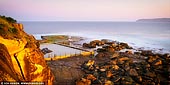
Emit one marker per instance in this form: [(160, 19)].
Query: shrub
[(9, 19), (1, 26), (13, 30)]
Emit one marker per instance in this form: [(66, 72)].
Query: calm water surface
[(59, 50)]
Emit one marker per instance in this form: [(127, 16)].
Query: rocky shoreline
[(142, 67), (112, 66)]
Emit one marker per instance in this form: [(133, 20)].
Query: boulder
[(91, 77), (101, 55), (92, 45), (127, 80), (157, 62), (46, 50), (83, 81), (125, 45), (150, 74), (109, 74), (129, 52), (85, 45), (102, 69), (137, 53), (108, 82), (133, 72), (115, 67), (113, 62), (116, 78), (98, 42), (115, 55), (123, 59), (90, 63), (152, 58), (138, 79), (147, 53), (101, 50), (109, 49)]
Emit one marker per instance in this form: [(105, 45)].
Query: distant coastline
[(154, 20)]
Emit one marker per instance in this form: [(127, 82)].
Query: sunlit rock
[(21, 58)]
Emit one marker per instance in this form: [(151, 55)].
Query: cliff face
[(20, 56)]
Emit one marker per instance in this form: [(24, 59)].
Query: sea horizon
[(148, 35)]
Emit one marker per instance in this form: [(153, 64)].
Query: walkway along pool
[(60, 51)]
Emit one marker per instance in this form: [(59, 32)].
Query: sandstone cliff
[(20, 56)]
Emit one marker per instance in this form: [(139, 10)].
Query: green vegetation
[(55, 38), (7, 28), (13, 30), (1, 26), (9, 19)]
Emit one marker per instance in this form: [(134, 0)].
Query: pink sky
[(85, 10)]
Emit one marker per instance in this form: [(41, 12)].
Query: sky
[(84, 10)]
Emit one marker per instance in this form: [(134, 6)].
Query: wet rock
[(152, 58), (147, 53), (125, 45), (102, 69), (147, 65), (88, 66), (115, 67), (157, 62), (127, 67), (120, 68), (111, 43), (90, 63), (105, 40), (133, 72), (169, 69), (85, 45), (92, 45), (91, 77), (116, 78), (113, 62), (46, 50), (138, 79), (83, 81), (115, 55), (148, 82), (127, 80), (108, 82), (137, 53), (123, 59), (102, 55), (129, 52), (101, 50), (109, 49), (150, 74), (109, 74), (167, 58), (97, 82), (97, 42)]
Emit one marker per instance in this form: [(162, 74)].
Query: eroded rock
[(22, 59)]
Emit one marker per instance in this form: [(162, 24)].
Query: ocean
[(144, 35)]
